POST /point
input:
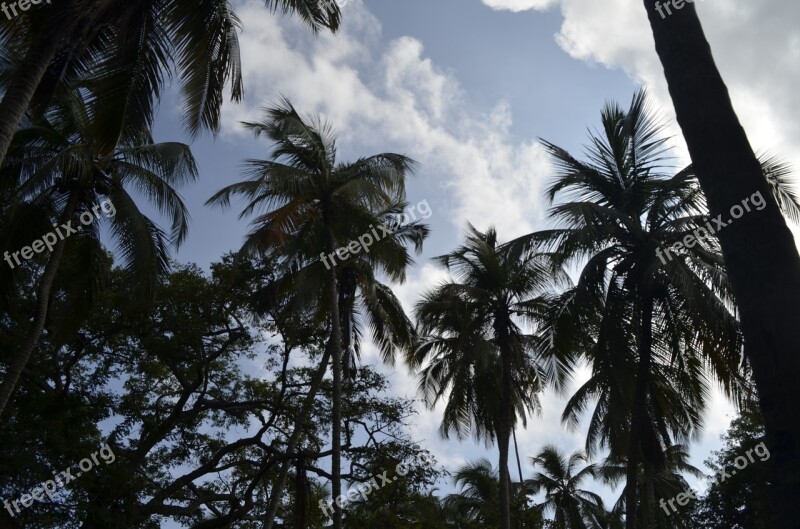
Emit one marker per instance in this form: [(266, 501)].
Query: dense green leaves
[(738, 500), (195, 404)]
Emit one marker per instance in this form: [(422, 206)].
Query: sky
[(467, 88)]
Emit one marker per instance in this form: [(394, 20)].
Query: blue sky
[(466, 87)]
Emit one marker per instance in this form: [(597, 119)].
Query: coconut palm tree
[(660, 319), (760, 251), (61, 167), (560, 479), (476, 504), (478, 499), (621, 209), (126, 49), (676, 393), (473, 347), (656, 489), (364, 300), (311, 206)]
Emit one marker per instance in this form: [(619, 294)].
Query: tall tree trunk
[(503, 437), (336, 419), (650, 486), (504, 422), (294, 439), (346, 296), (760, 254), (334, 350), (43, 292), (516, 451), (301, 491), (638, 411)]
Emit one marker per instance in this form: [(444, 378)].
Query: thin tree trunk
[(333, 350), (760, 254), (294, 439), (345, 312), (503, 438), (504, 424), (638, 412), (516, 450), (336, 419), (43, 292), (301, 492)]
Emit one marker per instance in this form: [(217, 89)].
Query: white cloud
[(519, 5), (756, 46), (394, 99)]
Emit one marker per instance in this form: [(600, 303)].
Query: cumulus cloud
[(756, 46), (519, 5), (394, 98)]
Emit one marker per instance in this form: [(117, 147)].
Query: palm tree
[(476, 505), (676, 399), (561, 481), (656, 489), (363, 299), (479, 498), (313, 206), (474, 347), (759, 249), (651, 315), (127, 49), (662, 320), (63, 167)]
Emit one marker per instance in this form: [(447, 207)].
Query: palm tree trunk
[(504, 424), (503, 438), (638, 411), (333, 350), (516, 450), (345, 311), (336, 419), (651, 497), (760, 254), (20, 360), (294, 439)]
